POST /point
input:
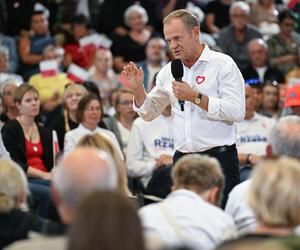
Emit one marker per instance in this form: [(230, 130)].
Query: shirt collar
[(185, 192), (86, 129), (205, 55)]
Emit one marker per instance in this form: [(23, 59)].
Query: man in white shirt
[(188, 216), (213, 91), (284, 139), (152, 150), (253, 133)]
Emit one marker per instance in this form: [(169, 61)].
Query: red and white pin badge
[(200, 79)]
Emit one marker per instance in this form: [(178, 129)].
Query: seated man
[(253, 133), (151, 151), (188, 216)]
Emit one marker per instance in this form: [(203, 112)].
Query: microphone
[(177, 73)]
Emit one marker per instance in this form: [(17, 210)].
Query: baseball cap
[(292, 97)]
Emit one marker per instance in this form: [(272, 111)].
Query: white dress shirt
[(216, 75), (195, 222), (148, 140), (73, 137), (237, 207), (253, 134)]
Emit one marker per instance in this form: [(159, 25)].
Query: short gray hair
[(285, 137), (260, 41), (241, 5), (73, 187), (12, 183), (135, 8)]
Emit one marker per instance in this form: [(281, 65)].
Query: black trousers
[(229, 161)]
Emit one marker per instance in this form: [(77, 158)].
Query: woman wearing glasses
[(89, 114)]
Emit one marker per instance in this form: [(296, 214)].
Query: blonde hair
[(69, 88), (188, 18), (198, 172), (273, 193), (100, 142), (12, 183)]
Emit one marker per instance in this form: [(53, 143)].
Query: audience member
[(284, 46), (217, 15), (259, 70), (13, 58), (188, 215), (121, 123), (270, 100), (104, 76), (233, 39), (31, 145), (264, 16), (131, 47), (277, 215), (4, 67), (257, 96), (51, 83), (74, 53), (15, 222), (110, 221), (253, 133), (79, 174), (102, 143), (156, 57), (148, 152), (89, 113), (284, 139), (10, 110), (31, 46), (67, 120)]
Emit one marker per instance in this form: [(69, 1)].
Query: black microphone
[(177, 73)]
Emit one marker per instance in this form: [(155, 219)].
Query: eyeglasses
[(125, 103), (93, 109)]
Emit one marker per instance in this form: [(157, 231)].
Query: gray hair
[(260, 41), (285, 137), (12, 183), (73, 187), (135, 8), (241, 5), (4, 51)]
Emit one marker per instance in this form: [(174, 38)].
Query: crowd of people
[(104, 147)]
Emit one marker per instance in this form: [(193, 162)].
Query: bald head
[(83, 171)]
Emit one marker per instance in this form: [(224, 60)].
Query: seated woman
[(15, 223), (122, 122), (67, 120), (31, 145), (89, 114), (10, 110)]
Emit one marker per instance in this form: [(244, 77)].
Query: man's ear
[(269, 151), (213, 195)]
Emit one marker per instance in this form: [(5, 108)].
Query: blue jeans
[(40, 190)]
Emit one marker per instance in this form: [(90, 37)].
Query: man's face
[(239, 18), (39, 24), (156, 51), (258, 54), (182, 40), (103, 60), (270, 96), (257, 96)]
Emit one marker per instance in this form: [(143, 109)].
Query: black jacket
[(14, 142)]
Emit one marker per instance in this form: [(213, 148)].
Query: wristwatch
[(198, 99)]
